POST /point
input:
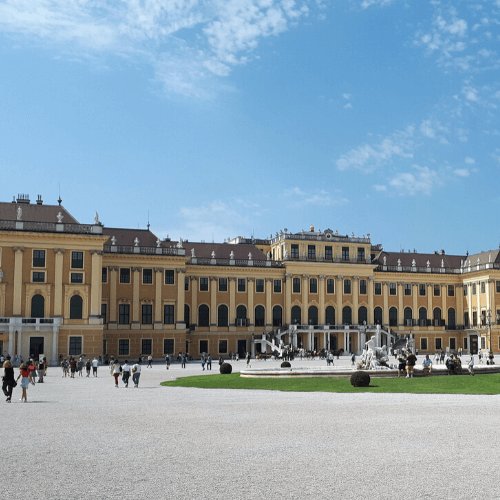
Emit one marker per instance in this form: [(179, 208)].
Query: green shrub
[(360, 379), (286, 364), (226, 368)]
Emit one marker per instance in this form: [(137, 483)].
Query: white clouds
[(319, 198), (366, 4), (462, 172), (420, 180), (369, 157), (189, 43)]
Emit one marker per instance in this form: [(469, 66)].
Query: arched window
[(377, 315), (75, 307), (203, 315), (408, 316), (393, 316), (330, 315), (362, 315), (260, 316), (296, 315), (436, 316), (277, 316), (422, 316), (312, 314), (222, 315), (187, 315), (346, 315), (241, 316), (37, 306), (452, 322)]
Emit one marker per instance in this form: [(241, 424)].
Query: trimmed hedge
[(286, 364), (360, 379), (226, 368)]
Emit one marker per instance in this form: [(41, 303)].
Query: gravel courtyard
[(83, 438)]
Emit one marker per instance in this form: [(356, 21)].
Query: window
[(437, 290), (328, 253), (345, 253), (330, 285), (222, 284), (168, 346), (38, 258), (466, 289), (474, 289), (123, 347), (76, 277), (75, 346), (259, 285), (453, 343), (38, 277), (451, 290), (392, 289), (147, 314), (277, 286), (423, 344), (124, 314), (241, 316), (362, 287), (242, 284), (76, 307), (407, 288), (222, 346), (203, 284), (497, 285), (124, 275), (421, 289), (296, 285), (483, 287), (37, 306), (186, 284), (203, 346), (168, 314), (347, 286), (378, 288), (169, 277), (104, 275), (294, 253), (77, 260), (313, 285), (311, 252), (260, 316), (104, 313), (147, 276), (361, 254), (438, 344), (222, 315), (203, 315), (147, 346)]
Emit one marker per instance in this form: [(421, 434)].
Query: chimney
[(23, 198), (39, 200)]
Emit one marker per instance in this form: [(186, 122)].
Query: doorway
[(36, 347), (242, 348), (473, 344)]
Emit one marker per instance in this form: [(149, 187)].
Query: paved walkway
[(82, 438)]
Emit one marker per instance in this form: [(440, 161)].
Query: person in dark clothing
[(8, 381)]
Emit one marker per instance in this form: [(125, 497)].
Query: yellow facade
[(69, 289)]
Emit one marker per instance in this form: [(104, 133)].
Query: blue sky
[(224, 118)]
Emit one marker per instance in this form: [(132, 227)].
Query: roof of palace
[(223, 250), (126, 237), (35, 212), (409, 259)]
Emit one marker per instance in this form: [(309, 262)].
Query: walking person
[(79, 367), (41, 371), (209, 362), (470, 365), (72, 366), (8, 380), (88, 366), (24, 375), (95, 364), (167, 361), (125, 373), (32, 371), (150, 361), (203, 362), (411, 360), (183, 360), (248, 357), (116, 369), (136, 374)]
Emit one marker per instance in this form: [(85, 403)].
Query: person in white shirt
[(125, 373), (95, 364), (136, 374)]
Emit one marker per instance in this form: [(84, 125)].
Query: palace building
[(68, 288)]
